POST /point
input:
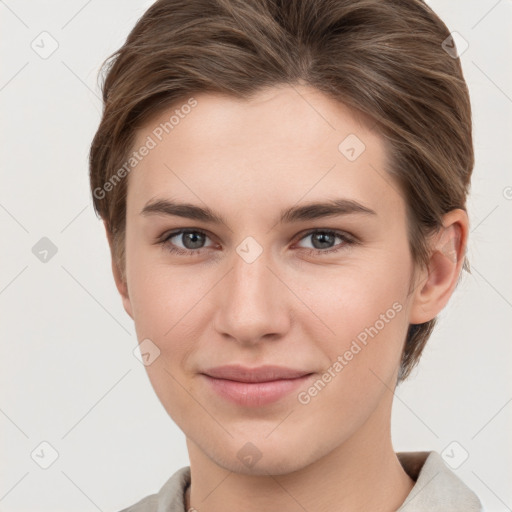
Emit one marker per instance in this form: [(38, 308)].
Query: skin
[(248, 160)]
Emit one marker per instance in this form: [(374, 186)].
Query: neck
[(385, 493), (363, 473)]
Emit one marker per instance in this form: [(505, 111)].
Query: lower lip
[(255, 394)]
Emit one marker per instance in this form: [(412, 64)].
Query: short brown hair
[(383, 58)]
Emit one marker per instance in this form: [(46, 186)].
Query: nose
[(252, 302)]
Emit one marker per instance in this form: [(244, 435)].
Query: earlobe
[(119, 278), (437, 284)]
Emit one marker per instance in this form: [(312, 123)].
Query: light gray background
[(68, 374)]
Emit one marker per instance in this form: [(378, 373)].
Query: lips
[(255, 387), (266, 373)]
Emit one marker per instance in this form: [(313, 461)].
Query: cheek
[(166, 309), (363, 305), (366, 318), (153, 296), (166, 304)]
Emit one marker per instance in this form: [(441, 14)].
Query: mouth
[(255, 387)]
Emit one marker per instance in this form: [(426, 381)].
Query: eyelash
[(347, 242)]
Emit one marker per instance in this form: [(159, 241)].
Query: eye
[(193, 241), (322, 240)]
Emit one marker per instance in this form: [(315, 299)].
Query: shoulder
[(168, 498), (147, 504), (437, 486)]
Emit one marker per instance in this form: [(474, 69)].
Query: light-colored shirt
[(437, 488)]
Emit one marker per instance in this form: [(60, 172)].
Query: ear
[(119, 279), (437, 283)]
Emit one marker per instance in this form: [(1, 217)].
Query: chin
[(277, 464), (275, 457)]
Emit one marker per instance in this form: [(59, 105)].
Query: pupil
[(322, 237), (192, 237)]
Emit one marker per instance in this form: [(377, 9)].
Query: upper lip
[(259, 374)]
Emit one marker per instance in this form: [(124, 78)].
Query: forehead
[(295, 114), (283, 144)]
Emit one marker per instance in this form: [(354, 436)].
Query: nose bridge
[(251, 304)]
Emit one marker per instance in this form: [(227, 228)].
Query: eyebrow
[(309, 211)]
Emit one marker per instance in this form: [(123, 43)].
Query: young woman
[(283, 186)]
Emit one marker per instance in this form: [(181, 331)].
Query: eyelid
[(336, 232), (348, 241), (178, 231)]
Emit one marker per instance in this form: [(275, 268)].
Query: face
[(323, 290)]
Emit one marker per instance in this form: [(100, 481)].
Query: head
[(247, 109)]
